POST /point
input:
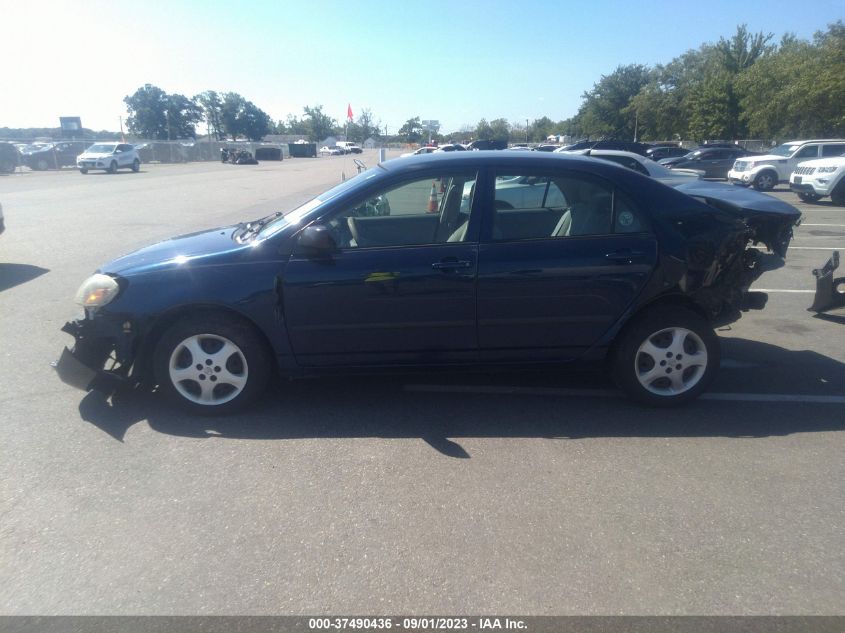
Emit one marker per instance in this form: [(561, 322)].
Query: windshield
[(101, 149), (296, 216), (784, 150)]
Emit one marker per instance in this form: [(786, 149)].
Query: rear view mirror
[(316, 240)]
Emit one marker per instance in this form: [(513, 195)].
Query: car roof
[(815, 140), (491, 158)]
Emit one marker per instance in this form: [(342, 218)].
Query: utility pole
[(526, 130)]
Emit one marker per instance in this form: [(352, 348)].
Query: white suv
[(814, 179), (109, 156), (764, 172)]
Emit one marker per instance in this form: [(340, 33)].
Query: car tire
[(83, 170), (808, 197), (211, 364), (837, 196), (666, 356), (8, 166), (113, 167), (765, 181), (136, 165), (42, 165)]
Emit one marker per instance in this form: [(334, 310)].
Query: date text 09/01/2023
[(417, 623)]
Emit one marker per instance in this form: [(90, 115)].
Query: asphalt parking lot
[(530, 493)]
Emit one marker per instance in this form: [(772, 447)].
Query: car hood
[(770, 219), (833, 161), (764, 157), (193, 249)]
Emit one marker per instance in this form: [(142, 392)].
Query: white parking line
[(803, 224), (608, 393), (783, 290)]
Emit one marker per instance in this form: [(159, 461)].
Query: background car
[(2, 220), (325, 150), (763, 172), (10, 157), (426, 149), (54, 155), (813, 180), (450, 147), (391, 269), (665, 151), (627, 146), (715, 162), (109, 157), (643, 165), (349, 147)]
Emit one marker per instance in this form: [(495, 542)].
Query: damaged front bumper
[(101, 356)]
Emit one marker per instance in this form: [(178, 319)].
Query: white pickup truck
[(349, 147), (764, 172)]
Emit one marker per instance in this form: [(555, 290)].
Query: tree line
[(155, 114), (745, 86)]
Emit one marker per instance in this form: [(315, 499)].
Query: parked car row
[(341, 147)]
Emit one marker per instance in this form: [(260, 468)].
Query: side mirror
[(316, 240)]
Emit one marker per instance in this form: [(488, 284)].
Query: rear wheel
[(83, 170), (765, 181), (808, 197), (667, 356), (136, 165), (42, 165), (212, 364)]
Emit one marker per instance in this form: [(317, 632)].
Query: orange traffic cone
[(432, 199)]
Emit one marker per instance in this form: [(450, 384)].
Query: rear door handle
[(451, 264), (624, 256)]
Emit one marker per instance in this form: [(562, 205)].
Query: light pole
[(526, 130)]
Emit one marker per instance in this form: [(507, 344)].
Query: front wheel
[(212, 364), (808, 197), (837, 196), (765, 181), (83, 170), (667, 356), (113, 167)]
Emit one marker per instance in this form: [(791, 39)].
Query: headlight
[(826, 170), (97, 291)]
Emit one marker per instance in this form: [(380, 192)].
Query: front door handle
[(451, 264), (624, 256)]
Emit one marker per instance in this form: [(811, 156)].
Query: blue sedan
[(439, 260)]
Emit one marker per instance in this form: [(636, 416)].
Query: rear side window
[(833, 150), (559, 206)]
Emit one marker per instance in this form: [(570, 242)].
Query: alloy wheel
[(670, 361), (208, 369)]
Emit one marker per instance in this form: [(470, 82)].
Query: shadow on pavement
[(12, 275), (380, 406)]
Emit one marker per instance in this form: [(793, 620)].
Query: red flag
[(349, 111)]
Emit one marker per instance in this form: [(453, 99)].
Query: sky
[(454, 61)]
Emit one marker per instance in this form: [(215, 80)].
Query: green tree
[(799, 90), (147, 109), (500, 129), (182, 116), (363, 127), (483, 130), (411, 131), (239, 117), (605, 109), (212, 109), (320, 125)]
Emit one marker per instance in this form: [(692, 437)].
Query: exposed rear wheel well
[(672, 300)]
